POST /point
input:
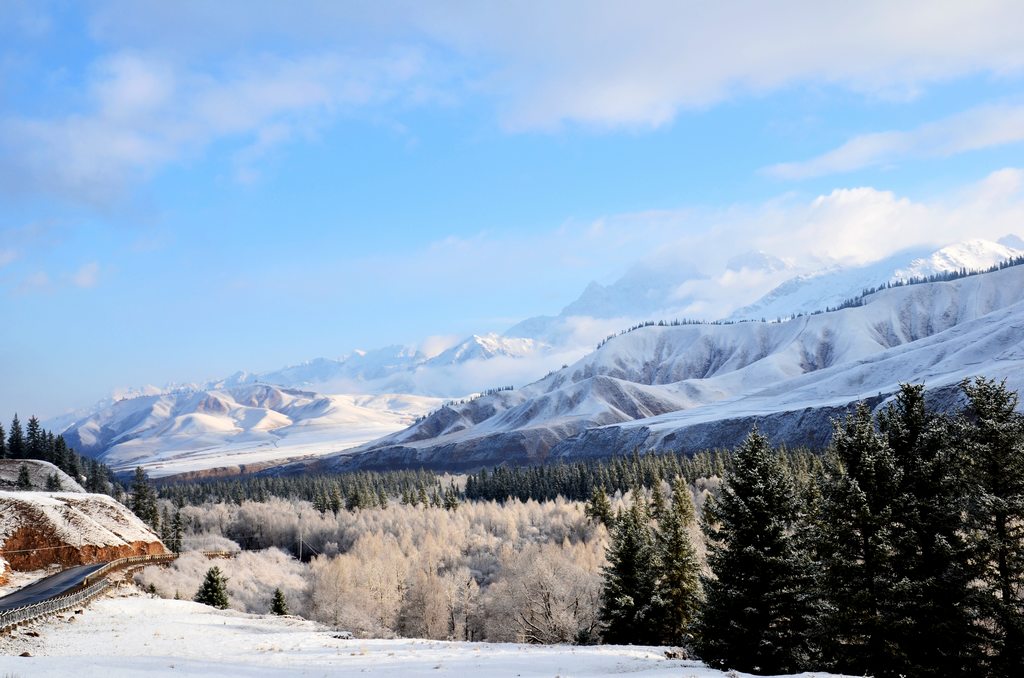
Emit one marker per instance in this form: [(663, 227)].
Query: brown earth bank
[(30, 548), (38, 529)]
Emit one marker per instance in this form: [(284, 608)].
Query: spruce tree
[(933, 602), (15, 440), (213, 591), (756, 617), (143, 501), (599, 508), (678, 575), (3, 443), (856, 548), (627, 590), (992, 432), (278, 605), (24, 480), (53, 483), (35, 440)]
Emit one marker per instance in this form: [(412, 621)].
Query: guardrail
[(93, 585)]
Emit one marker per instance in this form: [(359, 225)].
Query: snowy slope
[(194, 430), (830, 287), (134, 636), (670, 378), (71, 518), (38, 472)]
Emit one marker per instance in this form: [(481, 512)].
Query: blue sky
[(192, 188)]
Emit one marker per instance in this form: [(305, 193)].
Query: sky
[(188, 189)]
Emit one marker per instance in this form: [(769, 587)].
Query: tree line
[(903, 555), (35, 442)]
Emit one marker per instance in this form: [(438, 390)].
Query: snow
[(136, 635), (72, 518), (665, 378), (194, 430), (38, 472)]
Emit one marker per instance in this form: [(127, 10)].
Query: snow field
[(138, 635)]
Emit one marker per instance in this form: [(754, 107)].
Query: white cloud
[(609, 63), (87, 275), (7, 256), (972, 130), (147, 111)]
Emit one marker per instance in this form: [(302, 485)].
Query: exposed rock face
[(38, 529)]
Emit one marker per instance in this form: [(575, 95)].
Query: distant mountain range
[(258, 418), (699, 386)]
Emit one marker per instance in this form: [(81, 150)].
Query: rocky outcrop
[(38, 529)]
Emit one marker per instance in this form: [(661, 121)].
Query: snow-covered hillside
[(194, 430), (831, 286), (649, 387), (38, 473)]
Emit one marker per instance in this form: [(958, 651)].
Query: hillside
[(696, 386), (70, 528), (38, 473), (191, 430)]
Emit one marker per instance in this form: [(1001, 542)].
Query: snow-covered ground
[(137, 635)]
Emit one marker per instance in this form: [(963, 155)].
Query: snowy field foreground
[(137, 635)]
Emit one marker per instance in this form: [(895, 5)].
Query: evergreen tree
[(629, 577), (35, 440), (658, 504), (934, 565), (176, 532), (278, 605), (756, 617), (993, 434), (24, 480), (16, 440), (143, 501), (599, 508), (213, 591), (3, 443), (53, 483), (856, 547), (678, 574)]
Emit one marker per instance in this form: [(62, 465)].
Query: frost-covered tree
[(213, 591), (599, 508), (756, 617)]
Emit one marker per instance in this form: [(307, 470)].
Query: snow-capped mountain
[(192, 430), (173, 428), (694, 386), (831, 286)]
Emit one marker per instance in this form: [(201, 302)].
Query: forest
[(897, 551)]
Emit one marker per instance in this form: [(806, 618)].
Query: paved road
[(47, 588)]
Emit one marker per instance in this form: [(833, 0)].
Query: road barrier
[(92, 586)]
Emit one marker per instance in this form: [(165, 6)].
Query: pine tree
[(934, 603), (24, 480), (53, 483), (213, 591), (176, 532), (143, 501), (678, 575), (35, 440), (993, 433), (628, 578), (756, 617), (599, 508), (16, 440), (856, 548), (3, 443), (278, 605), (658, 504)]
